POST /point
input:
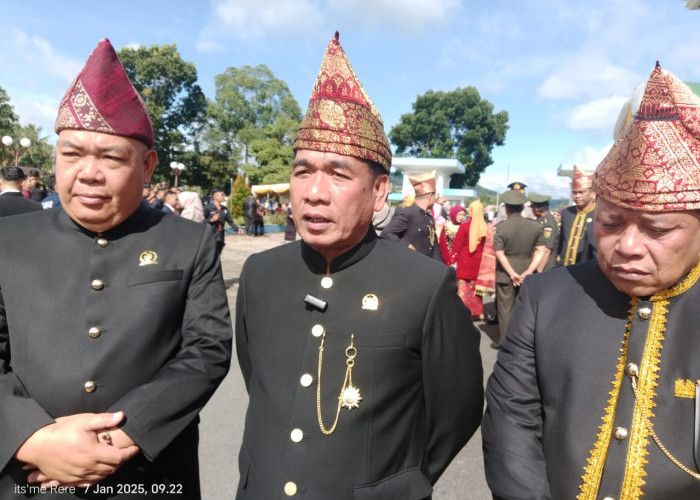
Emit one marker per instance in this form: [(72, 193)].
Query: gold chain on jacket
[(644, 385), (349, 395)]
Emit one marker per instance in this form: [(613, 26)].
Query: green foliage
[(275, 219), (240, 193), (457, 124), (255, 116), (8, 118), (175, 103)]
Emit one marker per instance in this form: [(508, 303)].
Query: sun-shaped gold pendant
[(351, 398)]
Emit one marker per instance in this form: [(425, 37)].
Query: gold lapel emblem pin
[(147, 258), (370, 302)]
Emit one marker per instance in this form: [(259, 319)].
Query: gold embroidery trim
[(596, 460), (577, 228), (684, 388), (637, 452), (639, 435)]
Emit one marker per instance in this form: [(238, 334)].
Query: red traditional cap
[(423, 183), (102, 99), (341, 118), (654, 165), (582, 179)]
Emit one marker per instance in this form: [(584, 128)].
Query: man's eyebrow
[(331, 163), (113, 148)]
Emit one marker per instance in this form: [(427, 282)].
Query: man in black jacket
[(217, 215), (361, 362), (595, 391), (414, 225), (12, 201), (114, 325)]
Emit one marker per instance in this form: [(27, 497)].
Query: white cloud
[(258, 19), (598, 114), (588, 74), (405, 16), (261, 19), (38, 57), (588, 158), (204, 46), (37, 109)]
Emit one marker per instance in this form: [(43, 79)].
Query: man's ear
[(381, 189), (150, 161)]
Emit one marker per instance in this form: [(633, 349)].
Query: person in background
[(577, 238), (595, 391), (12, 202), (467, 249), (249, 206), (147, 193), (381, 217), (550, 230), (519, 247), (29, 184), (170, 203), (191, 206), (348, 373), (52, 199), (158, 199), (290, 232), (457, 216), (217, 215), (259, 219), (413, 226), (114, 325)]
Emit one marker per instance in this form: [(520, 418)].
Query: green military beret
[(513, 198), (538, 198)]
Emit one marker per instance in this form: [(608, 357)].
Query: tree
[(457, 124), (40, 153), (253, 116), (238, 196), (8, 118), (175, 103)]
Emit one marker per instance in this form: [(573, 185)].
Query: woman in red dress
[(467, 249), (449, 231)]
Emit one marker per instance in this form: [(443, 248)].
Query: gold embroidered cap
[(423, 183), (341, 118), (102, 99), (654, 165), (582, 179)]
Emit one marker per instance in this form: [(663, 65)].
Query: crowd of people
[(365, 378)]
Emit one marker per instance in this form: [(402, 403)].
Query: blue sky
[(562, 69)]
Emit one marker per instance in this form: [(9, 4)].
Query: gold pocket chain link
[(349, 395)]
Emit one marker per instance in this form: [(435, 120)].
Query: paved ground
[(222, 419)]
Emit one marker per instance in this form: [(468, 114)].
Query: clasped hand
[(69, 452)]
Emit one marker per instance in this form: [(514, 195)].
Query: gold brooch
[(147, 258), (370, 302)]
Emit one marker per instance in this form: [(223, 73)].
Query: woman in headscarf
[(449, 231), (467, 249), (191, 206)]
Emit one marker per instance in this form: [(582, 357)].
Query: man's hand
[(68, 452)]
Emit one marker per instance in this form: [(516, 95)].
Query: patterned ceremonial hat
[(341, 117), (654, 165), (423, 183), (102, 99), (582, 179)]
